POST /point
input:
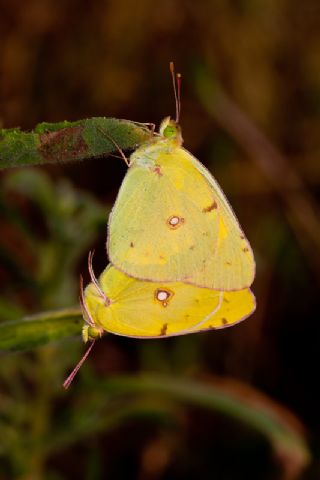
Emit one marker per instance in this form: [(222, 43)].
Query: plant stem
[(69, 141)]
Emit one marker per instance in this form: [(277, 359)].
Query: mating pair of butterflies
[(180, 262)]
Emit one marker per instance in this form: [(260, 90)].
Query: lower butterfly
[(122, 305), (126, 306)]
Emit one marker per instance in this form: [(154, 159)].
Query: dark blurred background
[(251, 114)]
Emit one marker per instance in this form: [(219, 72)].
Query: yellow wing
[(172, 222), (126, 306)]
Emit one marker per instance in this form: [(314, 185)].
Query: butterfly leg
[(94, 279), (85, 312), (105, 134), (151, 126)]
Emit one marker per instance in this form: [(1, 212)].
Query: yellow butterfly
[(122, 305), (172, 223)]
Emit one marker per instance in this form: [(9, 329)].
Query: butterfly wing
[(233, 263), (148, 309), (171, 222)]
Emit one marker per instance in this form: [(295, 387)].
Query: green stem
[(40, 329), (69, 141)]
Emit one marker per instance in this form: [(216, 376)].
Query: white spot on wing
[(174, 221), (162, 295)]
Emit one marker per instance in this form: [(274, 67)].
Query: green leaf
[(39, 329), (69, 141)]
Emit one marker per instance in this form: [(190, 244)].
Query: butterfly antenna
[(176, 83), (68, 381), (178, 78)]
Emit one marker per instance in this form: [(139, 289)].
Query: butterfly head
[(91, 332), (171, 130)]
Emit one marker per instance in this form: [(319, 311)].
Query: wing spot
[(211, 207), (225, 300), (242, 237), (245, 249), (224, 321), (164, 329), (205, 234), (228, 263), (163, 296), (191, 247), (131, 244), (175, 221), (157, 170)]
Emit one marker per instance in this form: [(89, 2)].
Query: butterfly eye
[(91, 333), (170, 131)]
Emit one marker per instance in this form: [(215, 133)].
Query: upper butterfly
[(171, 221)]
